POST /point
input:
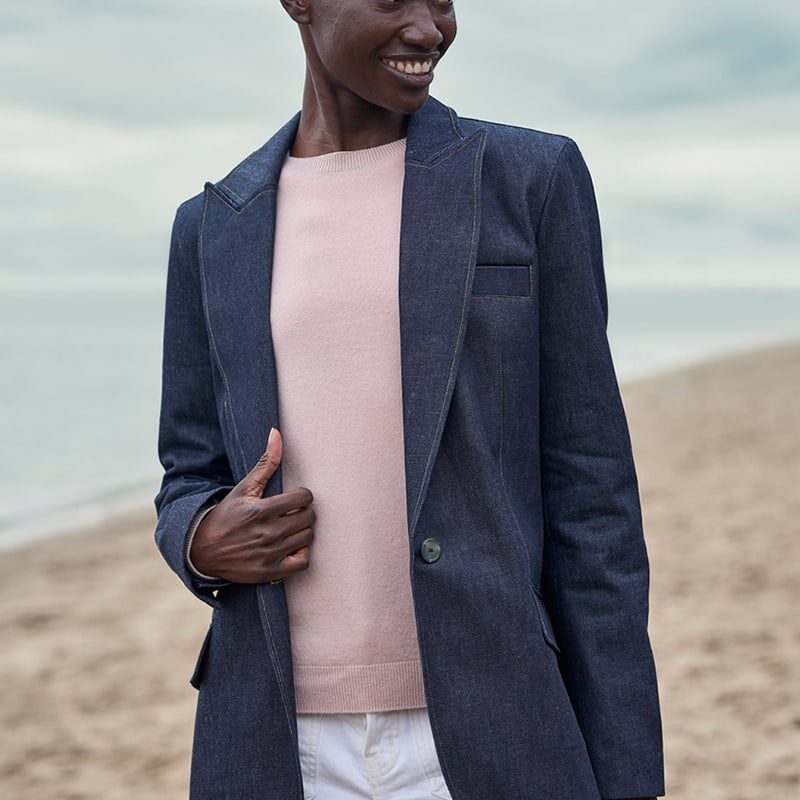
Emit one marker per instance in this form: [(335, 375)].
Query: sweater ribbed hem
[(358, 688), (344, 160)]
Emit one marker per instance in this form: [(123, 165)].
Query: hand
[(247, 538)]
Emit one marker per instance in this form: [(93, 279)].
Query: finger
[(298, 540), (296, 561), (291, 501), (305, 518), (254, 482)]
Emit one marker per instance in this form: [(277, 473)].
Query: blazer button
[(431, 550)]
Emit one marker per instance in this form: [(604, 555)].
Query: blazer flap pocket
[(502, 280), (197, 674), (544, 618)]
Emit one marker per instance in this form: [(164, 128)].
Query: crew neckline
[(344, 160)]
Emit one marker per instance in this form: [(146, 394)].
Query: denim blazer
[(526, 549)]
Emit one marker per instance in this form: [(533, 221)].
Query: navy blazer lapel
[(438, 242), (439, 234)]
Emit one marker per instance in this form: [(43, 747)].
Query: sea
[(80, 379)]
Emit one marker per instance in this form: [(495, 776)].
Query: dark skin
[(248, 538), (351, 100)]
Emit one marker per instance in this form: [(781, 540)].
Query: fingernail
[(270, 438)]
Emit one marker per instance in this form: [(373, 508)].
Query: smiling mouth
[(409, 67)]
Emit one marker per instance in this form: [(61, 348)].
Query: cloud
[(687, 116)]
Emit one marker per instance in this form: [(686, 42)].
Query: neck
[(333, 122)]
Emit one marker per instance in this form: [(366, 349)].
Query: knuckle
[(265, 458), (269, 536), (268, 503)]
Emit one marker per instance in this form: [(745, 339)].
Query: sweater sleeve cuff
[(190, 537)]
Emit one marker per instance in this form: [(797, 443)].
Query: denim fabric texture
[(539, 675)]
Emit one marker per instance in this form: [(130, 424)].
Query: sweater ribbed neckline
[(344, 160)]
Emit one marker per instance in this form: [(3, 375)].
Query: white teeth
[(410, 67)]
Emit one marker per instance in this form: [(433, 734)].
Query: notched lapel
[(237, 240), (236, 258), (438, 250)]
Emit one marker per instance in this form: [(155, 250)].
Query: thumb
[(254, 482)]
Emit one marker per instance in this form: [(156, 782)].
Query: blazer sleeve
[(190, 444), (595, 564)]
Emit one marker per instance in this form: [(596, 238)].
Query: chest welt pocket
[(502, 280)]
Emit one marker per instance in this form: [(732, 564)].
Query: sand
[(99, 636)]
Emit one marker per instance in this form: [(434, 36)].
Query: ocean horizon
[(81, 382)]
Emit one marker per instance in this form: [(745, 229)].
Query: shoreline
[(136, 500)]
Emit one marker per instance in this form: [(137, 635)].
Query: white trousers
[(383, 755)]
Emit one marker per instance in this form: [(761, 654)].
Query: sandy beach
[(99, 636)]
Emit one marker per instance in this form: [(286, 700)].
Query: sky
[(688, 116)]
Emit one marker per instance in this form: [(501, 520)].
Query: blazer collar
[(431, 131)]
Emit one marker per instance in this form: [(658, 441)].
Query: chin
[(409, 104)]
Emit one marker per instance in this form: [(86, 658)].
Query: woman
[(450, 598)]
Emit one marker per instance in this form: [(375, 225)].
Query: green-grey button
[(431, 550)]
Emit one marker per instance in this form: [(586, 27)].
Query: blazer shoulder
[(185, 231), (189, 213), (539, 147), (529, 164)]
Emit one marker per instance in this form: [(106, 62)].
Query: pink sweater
[(336, 332)]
